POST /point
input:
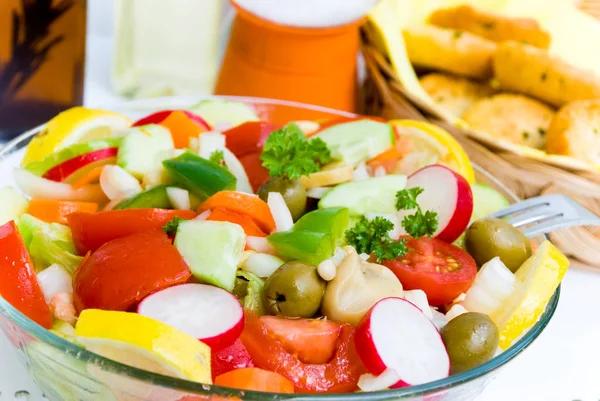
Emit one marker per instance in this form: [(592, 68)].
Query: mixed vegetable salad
[(344, 255)]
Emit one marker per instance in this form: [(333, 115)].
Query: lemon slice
[(430, 144), (145, 343), (537, 280), (75, 125)]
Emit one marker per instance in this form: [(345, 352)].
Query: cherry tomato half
[(443, 271)]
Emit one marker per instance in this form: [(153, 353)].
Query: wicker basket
[(384, 95)]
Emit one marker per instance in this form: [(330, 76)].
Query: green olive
[(471, 339), (294, 290), (293, 193), (489, 237)]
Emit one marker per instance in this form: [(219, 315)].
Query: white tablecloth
[(562, 365)]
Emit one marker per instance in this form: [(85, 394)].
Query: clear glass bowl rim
[(86, 356)]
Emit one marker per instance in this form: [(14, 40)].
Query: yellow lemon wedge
[(537, 281), (145, 343), (75, 125), (430, 144)]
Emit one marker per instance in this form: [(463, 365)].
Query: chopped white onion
[(209, 142), (360, 172), (307, 127), (369, 382), (380, 171), (259, 244), (455, 311), (317, 192), (179, 198), (262, 264), (327, 269), (194, 145), (364, 256), (111, 205), (438, 318), (281, 213), (204, 215), (493, 284), (54, 279), (237, 169), (41, 188), (419, 299), (118, 183)]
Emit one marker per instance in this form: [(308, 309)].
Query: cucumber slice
[(486, 200), (140, 148), (219, 110), (212, 250), (376, 195), (13, 204), (156, 197), (358, 141)]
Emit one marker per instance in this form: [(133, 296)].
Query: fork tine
[(531, 203), (554, 224), (537, 215)]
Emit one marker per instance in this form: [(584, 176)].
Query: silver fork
[(547, 213)]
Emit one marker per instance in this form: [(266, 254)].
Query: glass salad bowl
[(64, 371)]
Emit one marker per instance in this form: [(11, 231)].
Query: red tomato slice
[(248, 137), (92, 230), (124, 271), (18, 281), (340, 375), (311, 340), (443, 271), (257, 174), (236, 356)]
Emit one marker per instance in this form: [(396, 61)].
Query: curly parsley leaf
[(287, 153), (171, 227), (418, 224), (217, 157), (372, 237)]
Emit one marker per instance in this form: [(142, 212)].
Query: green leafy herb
[(457, 34), (372, 237), (171, 227), (287, 153), (218, 157), (418, 224)]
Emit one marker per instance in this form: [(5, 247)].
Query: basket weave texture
[(385, 96)]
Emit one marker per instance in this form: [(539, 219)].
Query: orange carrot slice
[(247, 223), (55, 211), (244, 203), (255, 379)]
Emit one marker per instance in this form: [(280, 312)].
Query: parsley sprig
[(418, 224), (372, 237), (171, 227), (287, 153), (218, 157)]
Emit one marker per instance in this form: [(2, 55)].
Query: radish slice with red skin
[(208, 313), (160, 116), (446, 193), (396, 335)]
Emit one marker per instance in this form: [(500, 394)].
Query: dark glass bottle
[(42, 54)]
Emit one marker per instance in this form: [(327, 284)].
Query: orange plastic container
[(310, 65)]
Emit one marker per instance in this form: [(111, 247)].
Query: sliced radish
[(396, 335), (54, 279), (210, 314), (446, 193), (160, 116), (369, 382)]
